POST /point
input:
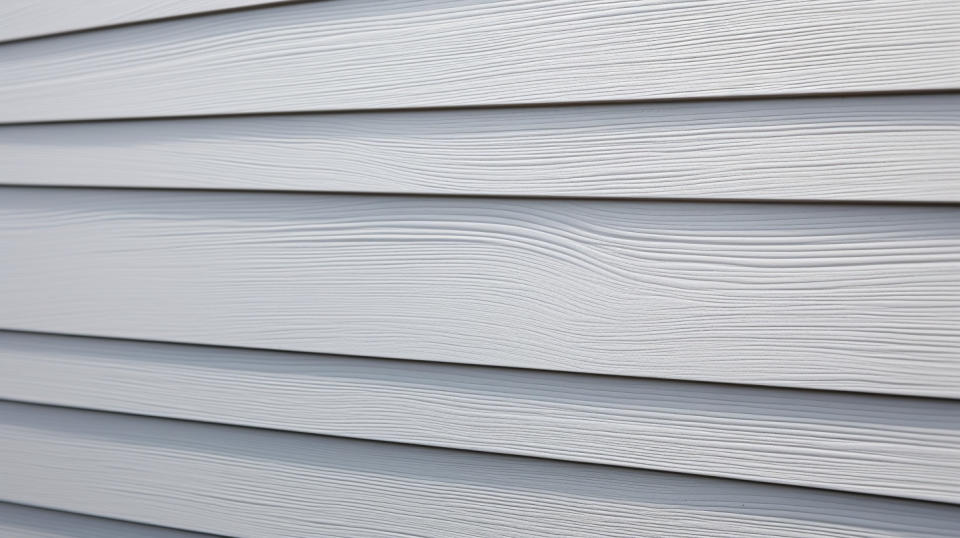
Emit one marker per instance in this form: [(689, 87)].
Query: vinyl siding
[(853, 442), (248, 482), (830, 297), (368, 54), (511, 268), (900, 149), (18, 521), (21, 19)]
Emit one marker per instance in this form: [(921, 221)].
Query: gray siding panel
[(17, 521), (901, 148), (261, 483), (854, 442), (20, 19), (362, 54), (543, 268), (856, 298)]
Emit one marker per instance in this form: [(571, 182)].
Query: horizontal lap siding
[(836, 297), (882, 148), (363, 54), (854, 442), (21, 19), (18, 521), (245, 482), (859, 298)]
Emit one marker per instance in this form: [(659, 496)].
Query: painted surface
[(900, 148), (370, 54), (831, 297), (21, 19), (18, 521), (852, 442), (468, 319), (249, 482)]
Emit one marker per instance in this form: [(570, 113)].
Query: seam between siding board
[(645, 199), (719, 99), (494, 197)]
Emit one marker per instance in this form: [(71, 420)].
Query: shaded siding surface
[(20, 521), (696, 279)]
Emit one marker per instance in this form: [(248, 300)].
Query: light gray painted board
[(29, 18), (17, 521), (877, 148), (246, 482), (838, 297), (361, 54), (853, 442)]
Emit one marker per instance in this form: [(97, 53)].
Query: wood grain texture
[(20, 19), (17, 521), (366, 54), (851, 442), (841, 297), (244, 482), (881, 148)]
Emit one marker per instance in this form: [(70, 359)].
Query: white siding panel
[(30, 18), (17, 521), (361, 54), (896, 446), (884, 148), (838, 297), (244, 482)]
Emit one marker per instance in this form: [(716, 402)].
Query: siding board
[(858, 298), (20, 19), (17, 521), (851, 442), (883, 148), (363, 54), (244, 482)]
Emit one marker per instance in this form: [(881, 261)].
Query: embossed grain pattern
[(359, 54), (897, 446), (841, 297), (244, 482), (30, 18), (17, 521), (890, 148)]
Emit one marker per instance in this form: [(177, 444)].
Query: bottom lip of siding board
[(19, 520)]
